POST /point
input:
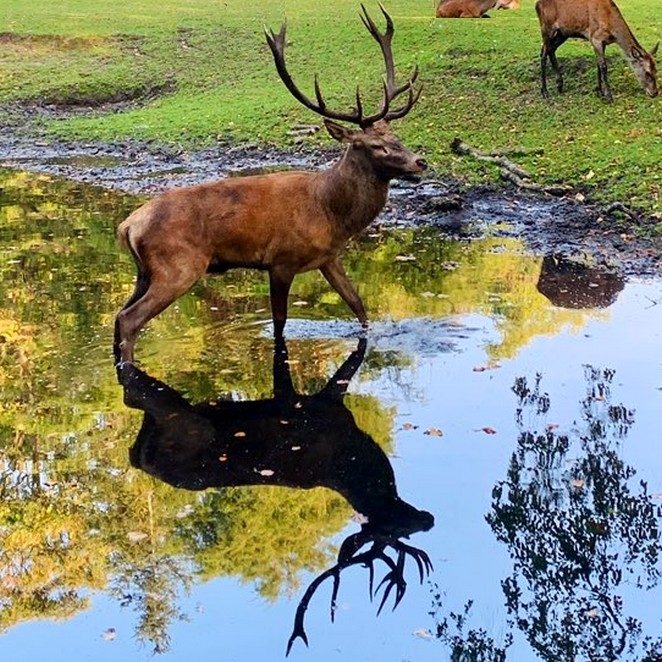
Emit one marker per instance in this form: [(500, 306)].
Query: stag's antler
[(348, 556), (277, 44)]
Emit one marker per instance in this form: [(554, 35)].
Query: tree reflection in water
[(578, 530), (290, 440)]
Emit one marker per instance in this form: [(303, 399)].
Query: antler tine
[(403, 110), (384, 41)]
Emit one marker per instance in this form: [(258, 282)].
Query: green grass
[(208, 74)]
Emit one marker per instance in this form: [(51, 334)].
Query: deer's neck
[(624, 37), (352, 193)]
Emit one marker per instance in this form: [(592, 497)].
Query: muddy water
[(497, 431)]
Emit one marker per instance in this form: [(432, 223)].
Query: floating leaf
[(434, 432)]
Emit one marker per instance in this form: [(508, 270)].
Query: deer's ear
[(337, 131), (654, 49)]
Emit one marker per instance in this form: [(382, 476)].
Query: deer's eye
[(381, 149)]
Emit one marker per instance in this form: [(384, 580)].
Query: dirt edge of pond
[(547, 224)]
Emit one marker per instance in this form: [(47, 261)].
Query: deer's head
[(645, 68), (372, 140)]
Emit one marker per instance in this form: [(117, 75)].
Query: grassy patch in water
[(205, 73)]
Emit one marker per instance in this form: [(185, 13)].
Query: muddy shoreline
[(546, 224)]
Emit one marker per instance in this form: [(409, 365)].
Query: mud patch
[(31, 43), (548, 225)]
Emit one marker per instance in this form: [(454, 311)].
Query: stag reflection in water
[(291, 440), (569, 284)]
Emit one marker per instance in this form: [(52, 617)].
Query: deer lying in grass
[(472, 8), (285, 223), (601, 23)]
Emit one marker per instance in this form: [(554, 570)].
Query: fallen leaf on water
[(264, 472), (360, 518), (342, 381), (223, 458), (405, 258), (240, 434), (409, 426), (299, 303), (551, 426), (434, 432), (136, 536), (423, 634), (109, 634), (284, 422), (296, 448), (488, 430), (577, 483), (591, 613)]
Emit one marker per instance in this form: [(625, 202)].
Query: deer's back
[(249, 221), (578, 18)]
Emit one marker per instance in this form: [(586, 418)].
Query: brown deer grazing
[(472, 8), (283, 223), (601, 23)]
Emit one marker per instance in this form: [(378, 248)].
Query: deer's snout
[(421, 164)]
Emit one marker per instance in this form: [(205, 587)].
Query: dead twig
[(462, 148), (619, 206), (552, 189), (509, 170)]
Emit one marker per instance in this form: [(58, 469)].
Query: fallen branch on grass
[(552, 189), (619, 206), (509, 170)]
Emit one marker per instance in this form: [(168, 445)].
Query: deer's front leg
[(280, 282), (335, 274)]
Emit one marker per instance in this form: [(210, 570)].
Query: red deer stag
[(472, 8), (283, 223), (601, 23)]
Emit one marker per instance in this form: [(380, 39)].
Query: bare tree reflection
[(577, 529), (291, 440)]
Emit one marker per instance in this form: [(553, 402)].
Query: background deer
[(472, 8), (601, 23), (181, 444), (283, 223)]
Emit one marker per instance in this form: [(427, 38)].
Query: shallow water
[(515, 399)]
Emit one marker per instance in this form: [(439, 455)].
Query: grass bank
[(199, 71)]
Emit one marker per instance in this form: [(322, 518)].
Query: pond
[(490, 449)]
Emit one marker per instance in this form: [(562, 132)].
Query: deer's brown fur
[(472, 8), (601, 23)]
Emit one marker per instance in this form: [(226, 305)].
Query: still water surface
[(496, 433)]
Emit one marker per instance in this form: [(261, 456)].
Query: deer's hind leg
[(155, 291)]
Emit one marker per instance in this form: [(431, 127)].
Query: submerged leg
[(279, 289), (164, 287), (335, 274)]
